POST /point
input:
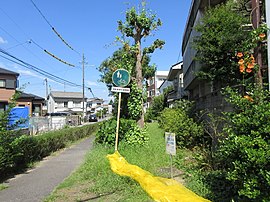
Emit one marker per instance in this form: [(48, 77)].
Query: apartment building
[(176, 77), (202, 92), (153, 85)]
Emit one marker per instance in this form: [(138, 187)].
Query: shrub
[(188, 132), (129, 132), (244, 155), (16, 152)]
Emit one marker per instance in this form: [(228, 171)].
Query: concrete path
[(36, 184)]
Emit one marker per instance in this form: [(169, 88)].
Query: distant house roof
[(30, 96), (95, 100), (8, 72), (61, 94)]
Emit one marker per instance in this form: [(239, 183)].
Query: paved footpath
[(36, 184)]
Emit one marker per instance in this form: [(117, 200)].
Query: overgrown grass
[(94, 180), (192, 164)]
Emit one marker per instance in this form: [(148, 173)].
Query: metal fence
[(39, 125)]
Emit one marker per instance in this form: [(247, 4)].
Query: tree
[(124, 58), (222, 35), (138, 25)]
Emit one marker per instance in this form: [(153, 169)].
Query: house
[(153, 85), (94, 105), (176, 77), (202, 92), (34, 102), (164, 86), (8, 85), (59, 101)]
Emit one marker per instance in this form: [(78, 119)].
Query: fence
[(43, 124)]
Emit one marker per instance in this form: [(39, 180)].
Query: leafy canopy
[(222, 33)]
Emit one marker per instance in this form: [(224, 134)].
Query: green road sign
[(121, 77)]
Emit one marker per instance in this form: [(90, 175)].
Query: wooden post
[(118, 120)]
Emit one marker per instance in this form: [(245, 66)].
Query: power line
[(42, 72), (31, 40), (54, 30), (52, 55), (36, 69)]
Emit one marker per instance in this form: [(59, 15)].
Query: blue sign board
[(121, 78)]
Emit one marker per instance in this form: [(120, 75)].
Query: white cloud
[(3, 40), (29, 73), (92, 83)]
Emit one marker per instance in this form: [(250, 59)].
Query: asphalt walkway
[(36, 184)]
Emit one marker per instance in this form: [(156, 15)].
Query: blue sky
[(88, 26)]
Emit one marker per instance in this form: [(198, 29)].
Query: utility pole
[(46, 83), (83, 61), (256, 18), (267, 10)]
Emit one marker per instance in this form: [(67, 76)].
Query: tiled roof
[(5, 71), (61, 94), (29, 95)]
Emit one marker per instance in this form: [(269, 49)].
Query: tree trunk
[(139, 77)]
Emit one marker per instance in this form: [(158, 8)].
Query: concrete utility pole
[(83, 61), (46, 94), (267, 10)]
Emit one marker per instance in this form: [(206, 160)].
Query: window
[(2, 83), (60, 105), (11, 84), (3, 106), (77, 104), (65, 104)]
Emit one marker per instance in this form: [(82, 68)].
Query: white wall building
[(66, 102), (154, 84), (94, 105)]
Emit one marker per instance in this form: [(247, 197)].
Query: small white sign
[(170, 143), (120, 90)]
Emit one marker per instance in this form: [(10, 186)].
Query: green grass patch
[(94, 180), (3, 186)]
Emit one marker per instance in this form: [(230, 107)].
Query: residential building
[(8, 85), (33, 102), (72, 102), (153, 85), (176, 77), (164, 86), (94, 105), (202, 92)]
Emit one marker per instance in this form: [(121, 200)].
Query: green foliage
[(17, 151), (106, 132), (222, 34), (129, 132), (143, 20), (154, 110), (176, 120), (135, 102), (244, 154)]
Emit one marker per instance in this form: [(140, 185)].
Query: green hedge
[(17, 152)]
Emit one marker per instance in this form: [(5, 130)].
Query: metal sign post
[(120, 78), (170, 147)]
